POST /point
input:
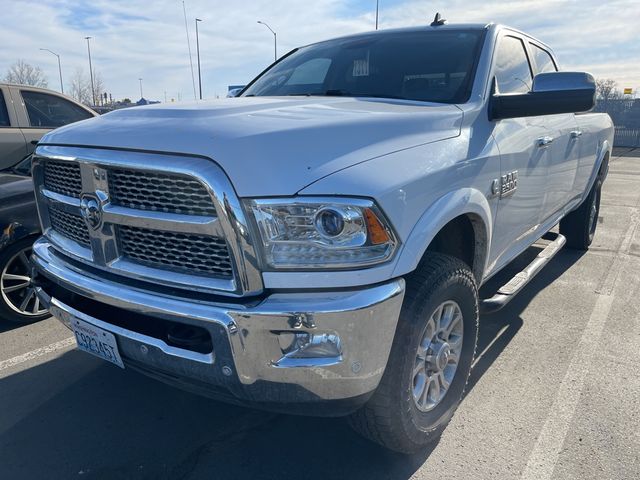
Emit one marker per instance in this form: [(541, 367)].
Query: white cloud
[(136, 38)]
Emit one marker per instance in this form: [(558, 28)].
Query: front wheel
[(430, 359)]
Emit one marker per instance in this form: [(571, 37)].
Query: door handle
[(576, 133), (545, 141)]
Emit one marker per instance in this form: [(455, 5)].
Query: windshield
[(435, 66)]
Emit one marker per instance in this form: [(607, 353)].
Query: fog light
[(308, 345)]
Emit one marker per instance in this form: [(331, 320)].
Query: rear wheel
[(430, 359), (579, 226), (18, 300)]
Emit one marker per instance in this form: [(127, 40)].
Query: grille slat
[(63, 178), (179, 251), (69, 225), (161, 192), (168, 192)]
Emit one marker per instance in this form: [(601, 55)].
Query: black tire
[(579, 226), (10, 300), (392, 417)]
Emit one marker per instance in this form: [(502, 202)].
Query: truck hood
[(271, 146)]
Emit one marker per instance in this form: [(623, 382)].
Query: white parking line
[(544, 456), (38, 352)]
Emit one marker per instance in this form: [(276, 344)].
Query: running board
[(518, 282)]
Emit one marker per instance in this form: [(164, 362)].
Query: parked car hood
[(17, 204), (14, 185), (271, 146)]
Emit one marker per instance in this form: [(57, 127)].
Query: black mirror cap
[(552, 93)]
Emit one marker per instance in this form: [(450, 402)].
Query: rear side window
[(512, 70), (543, 60), (50, 111), (4, 114)]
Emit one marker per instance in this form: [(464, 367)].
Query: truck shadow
[(75, 415)]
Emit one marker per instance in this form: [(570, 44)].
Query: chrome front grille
[(182, 252), (150, 218), (63, 178), (161, 192), (69, 225)]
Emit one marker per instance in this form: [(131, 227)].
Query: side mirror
[(233, 92), (554, 92)]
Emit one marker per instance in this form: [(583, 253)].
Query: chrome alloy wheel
[(15, 286), (437, 356)]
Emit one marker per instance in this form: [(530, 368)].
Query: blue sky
[(135, 38)]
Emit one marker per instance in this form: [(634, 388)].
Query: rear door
[(522, 185), (12, 142), (564, 148), (44, 111)]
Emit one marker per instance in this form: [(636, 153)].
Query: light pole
[(141, 96), (186, 29), (93, 91), (275, 41), (59, 67), (377, 5), (198, 52)]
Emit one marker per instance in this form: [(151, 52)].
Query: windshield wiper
[(345, 93), (376, 95)]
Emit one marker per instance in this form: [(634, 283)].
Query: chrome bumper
[(290, 347)]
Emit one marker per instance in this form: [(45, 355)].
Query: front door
[(523, 161), (44, 111), (12, 142)]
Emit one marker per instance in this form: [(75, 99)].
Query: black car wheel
[(18, 300)]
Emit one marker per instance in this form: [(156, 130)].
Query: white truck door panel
[(563, 154), (519, 210), (564, 149), (519, 207)]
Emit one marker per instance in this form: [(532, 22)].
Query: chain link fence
[(625, 114)]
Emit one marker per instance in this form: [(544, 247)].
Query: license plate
[(96, 341)]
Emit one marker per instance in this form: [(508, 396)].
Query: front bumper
[(251, 360)]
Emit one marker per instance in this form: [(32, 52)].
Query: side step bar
[(517, 283)]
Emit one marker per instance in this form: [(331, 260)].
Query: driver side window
[(50, 111), (512, 70), (312, 72)]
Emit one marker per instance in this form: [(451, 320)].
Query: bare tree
[(607, 89), (24, 73), (81, 87), (98, 86)]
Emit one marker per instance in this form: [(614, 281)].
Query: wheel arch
[(14, 232), (454, 216)]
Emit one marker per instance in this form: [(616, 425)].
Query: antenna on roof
[(438, 20)]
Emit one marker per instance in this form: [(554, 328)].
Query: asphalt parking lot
[(555, 393)]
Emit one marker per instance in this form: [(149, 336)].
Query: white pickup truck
[(316, 245)]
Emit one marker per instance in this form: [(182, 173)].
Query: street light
[(198, 50), (93, 91), (59, 67), (141, 96), (275, 41), (377, 5)]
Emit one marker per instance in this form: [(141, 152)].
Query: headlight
[(314, 233)]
